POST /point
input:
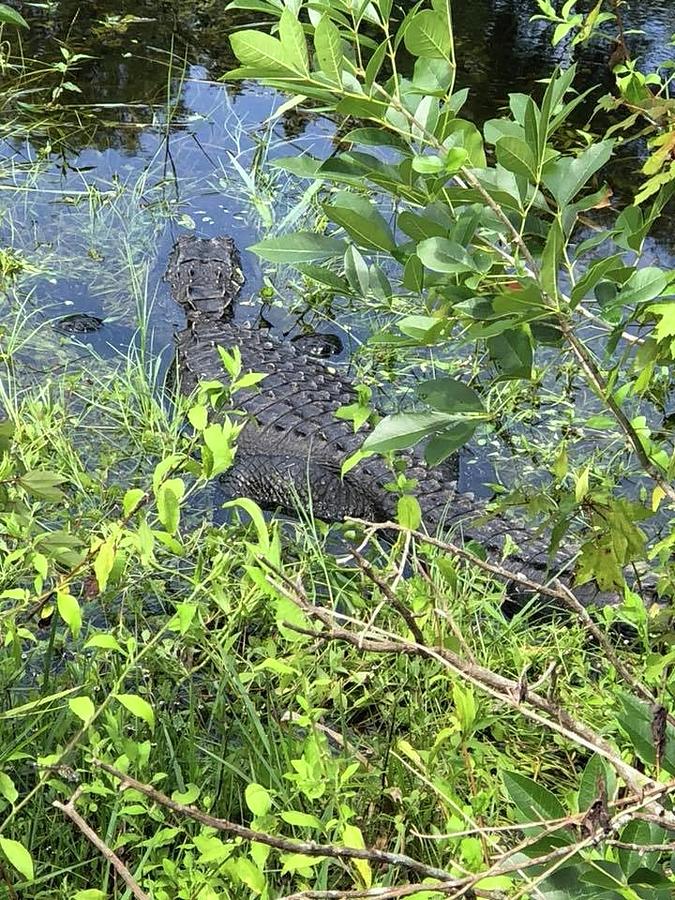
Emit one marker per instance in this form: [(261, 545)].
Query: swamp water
[(144, 143)]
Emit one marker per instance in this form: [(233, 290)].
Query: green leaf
[(420, 227), (433, 76), (511, 352), (69, 610), (448, 442), (131, 500), (301, 819), (361, 221), (328, 46), (138, 707), (352, 837), (636, 721), (404, 429), (301, 247), (42, 485), (6, 436), (83, 708), (595, 774), (641, 833), (461, 133), (218, 455), (324, 276), (408, 512), (550, 260), (643, 285), (665, 326), (293, 43), (247, 872), (594, 274), (263, 53), (8, 789), (448, 395), (494, 129), (168, 498), (103, 642), (299, 862), (566, 176), (533, 802), (10, 16), (198, 417), (89, 894), (188, 796), (517, 157), (441, 255), (18, 856), (103, 564), (258, 799), (427, 36)]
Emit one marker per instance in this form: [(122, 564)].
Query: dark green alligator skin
[(292, 447)]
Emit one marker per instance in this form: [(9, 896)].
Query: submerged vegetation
[(203, 701)]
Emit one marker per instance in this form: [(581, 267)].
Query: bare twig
[(400, 608), (557, 590), (599, 385), (532, 705), (69, 810), (309, 848)]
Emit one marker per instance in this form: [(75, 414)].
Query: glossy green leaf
[(132, 499), (69, 610), (433, 75), (8, 789), (9, 16), (258, 799), (643, 285), (566, 176), (168, 498), (83, 708), (328, 46), (404, 429), (448, 395), (301, 819), (517, 157), (533, 801), (361, 220), (427, 36), (325, 276), (511, 352), (408, 512), (442, 255), (596, 778), (301, 247), (264, 53), (293, 43), (449, 441)]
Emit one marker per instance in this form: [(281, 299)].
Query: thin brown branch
[(599, 385), (69, 810), (400, 608), (532, 705), (557, 590), (309, 848)]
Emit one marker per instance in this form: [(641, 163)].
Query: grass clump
[(244, 671)]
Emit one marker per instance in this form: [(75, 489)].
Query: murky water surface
[(154, 145)]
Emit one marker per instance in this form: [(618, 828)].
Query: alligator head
[(205, 274)]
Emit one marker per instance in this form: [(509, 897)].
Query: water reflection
[(151, 142)]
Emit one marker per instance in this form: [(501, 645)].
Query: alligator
[(292, 446)]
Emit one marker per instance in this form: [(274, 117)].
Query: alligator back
[(292, 423)]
